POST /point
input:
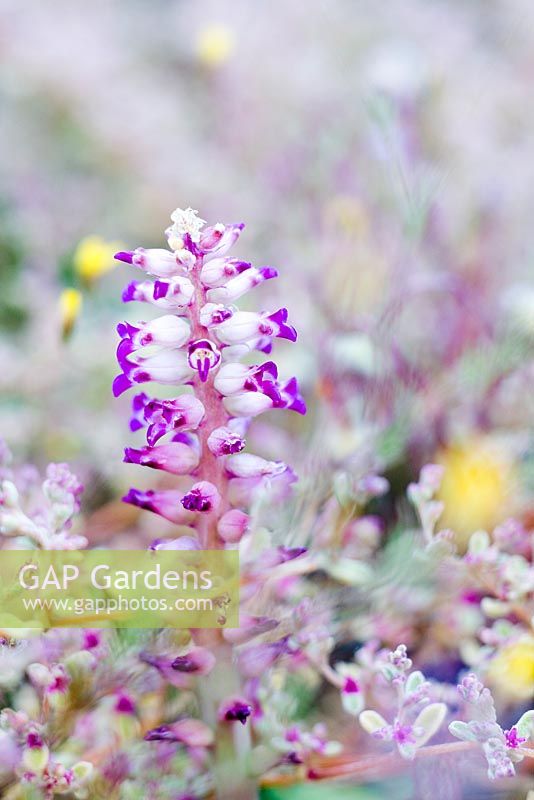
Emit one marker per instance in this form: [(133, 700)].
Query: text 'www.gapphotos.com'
[(113, 605)]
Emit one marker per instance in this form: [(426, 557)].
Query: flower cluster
[(201, 342), (502, 748), (49, 525), (23, 746), (416, 719)]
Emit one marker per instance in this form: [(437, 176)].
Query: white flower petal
[(429, 721), (371, 721)]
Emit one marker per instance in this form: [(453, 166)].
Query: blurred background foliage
[(381, 156)]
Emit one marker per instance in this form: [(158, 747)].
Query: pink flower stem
[(388, 764), (232, 742), (210, 468)]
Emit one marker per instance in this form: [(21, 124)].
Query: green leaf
[(66, 272), (12, 316), (322, 791)]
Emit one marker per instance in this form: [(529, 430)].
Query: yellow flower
[(476, 487), (347, 213), (93, 257), (70, 305), (215, 45), (511, 672)]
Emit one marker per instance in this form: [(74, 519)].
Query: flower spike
[(198, 343)]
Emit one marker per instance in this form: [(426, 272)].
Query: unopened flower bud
[(233, 525)]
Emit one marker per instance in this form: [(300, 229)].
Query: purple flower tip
[(161, 289), (293, 758), (296, 401), (124, 255), (203, 496), (351, 686), (161, 734), (184, 664), (91, 639), (120, 385), (33, 740), (129, 292), (125, 705), (299, 406), (289, 553), (132, 496), (155, 542), (238, 712), (193, 501)]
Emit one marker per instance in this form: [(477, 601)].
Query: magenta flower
[(512, 738), (91, 639), (125, 704), (34, 740)]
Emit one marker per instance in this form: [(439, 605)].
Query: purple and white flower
[(247, 326), (219, 271), (160, 417), (168, 366), (167, 503), (174, 294), (224, 442), (175, 457), (168, 331), (198, 343), (241, 284)]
